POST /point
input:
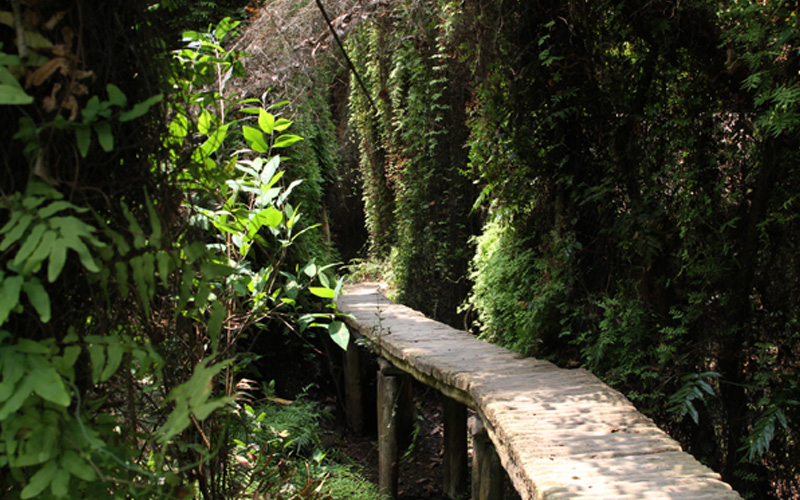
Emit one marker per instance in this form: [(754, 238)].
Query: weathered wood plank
[(559, 434)]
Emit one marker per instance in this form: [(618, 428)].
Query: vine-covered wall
[(637, 165), (417, 198)]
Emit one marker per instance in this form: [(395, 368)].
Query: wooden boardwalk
[(559, 434)]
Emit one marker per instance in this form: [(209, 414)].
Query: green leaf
[(60, 484), (155, 221), (39, 481), (58, 255), (114, 358), (17, 398), (282, 124), (104, 136), (325, 293), (215, 320), (205, 123), (255, 139), (140, 109), (214, 141), (9, 296), (30, 244), (38, 297), (47, 383), (266, 121), (286, 140), (97, 357), (83, 137), (16, 232), (77, 466), (55, 207), (115, 96), (13, 95), (85, 255), (339, 334), (13, 368)]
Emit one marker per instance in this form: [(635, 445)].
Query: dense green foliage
[(412, 155), (639, 166), (140, 266)]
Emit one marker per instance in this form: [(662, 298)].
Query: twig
[(347, 58)]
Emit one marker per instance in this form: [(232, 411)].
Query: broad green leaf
[(15, 233), (86, 257), (205, 123), (215, 320), (255, 139), (39, 481), (268, 172), (58, 255), (121, 272), (17, 398), (60, 483), (179, 127), (38, 297), (204, 410), (48, 384), (214, 141), (97, 357), (282, 124), (140, 109), (91, 109), (266, 121), (165, 266), (77, 466), (339, 334), (286, 140), (155, 221), (310, 270), (9, 295), (270, 217), (104, 135), (114, 358), (13, 368), (325, 293), (55, 207), (13, 95), (214, 270), (30, 243), (83, 137), (16, 215), (116, 96)]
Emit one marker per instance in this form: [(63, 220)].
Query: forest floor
[(420, 475)]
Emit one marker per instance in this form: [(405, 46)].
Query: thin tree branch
[(347, 58)]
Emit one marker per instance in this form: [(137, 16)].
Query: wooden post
[(354, 402), (455, 449), (488, 475), (389, 383)]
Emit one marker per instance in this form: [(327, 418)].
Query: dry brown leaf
[(45, 71), (54, 20), (71, 104)]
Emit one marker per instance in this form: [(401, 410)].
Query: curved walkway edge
[(559, 433)]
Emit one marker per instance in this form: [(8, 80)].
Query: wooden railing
[(558, 433)]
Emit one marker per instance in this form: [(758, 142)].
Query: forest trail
[(559, 433)]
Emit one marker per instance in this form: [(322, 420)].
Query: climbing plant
[(416, 199), (639, 166)]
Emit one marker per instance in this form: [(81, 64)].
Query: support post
[(389, 382), (354, 402), (455, 449), (488, 475)]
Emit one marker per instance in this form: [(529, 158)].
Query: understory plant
[(131, 390)]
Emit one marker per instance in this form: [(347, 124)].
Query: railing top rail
[(560, 434)]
